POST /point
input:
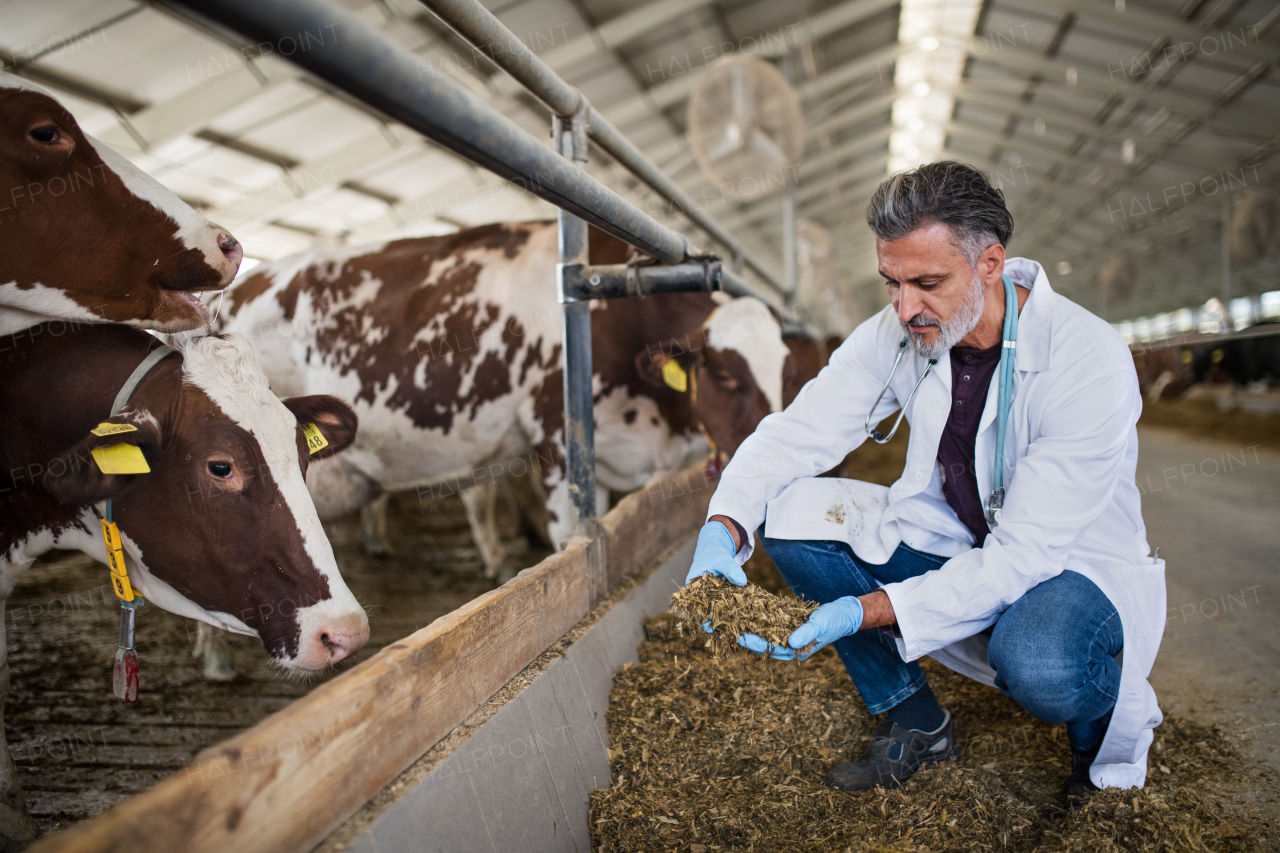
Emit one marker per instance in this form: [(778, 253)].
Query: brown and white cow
[(449, 349), (87, 236), (221, 530)]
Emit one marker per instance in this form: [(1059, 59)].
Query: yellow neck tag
[(315, 438), (113, 429), (674, 376), (121, 459)]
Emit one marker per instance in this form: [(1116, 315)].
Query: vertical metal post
[(789, 248), (1226, 260), (579, 419)]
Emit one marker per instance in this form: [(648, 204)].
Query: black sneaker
[(893, 756)]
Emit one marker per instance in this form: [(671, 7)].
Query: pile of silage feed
[(729, 754)]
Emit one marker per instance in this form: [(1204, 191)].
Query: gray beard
[(951, 331)]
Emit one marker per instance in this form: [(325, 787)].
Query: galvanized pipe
[(491, 37), (620, 148), (579, 402), (384, 75), (580, 282)]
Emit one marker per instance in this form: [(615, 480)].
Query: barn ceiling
[(1115, 129)]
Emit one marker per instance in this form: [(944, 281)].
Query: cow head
[(738, 368), (86, 235), (222, 528)]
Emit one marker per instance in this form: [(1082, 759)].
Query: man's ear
[(75, 478), (335, 420)]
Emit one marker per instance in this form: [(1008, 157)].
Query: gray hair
[(955, 194)]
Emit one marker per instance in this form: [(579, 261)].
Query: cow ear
[(76, 478), (668, 363), (333, 420), (649, 364)]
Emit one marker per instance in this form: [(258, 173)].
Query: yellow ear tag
[(121, 459), (315, 438), (113, 429), (674, 376)]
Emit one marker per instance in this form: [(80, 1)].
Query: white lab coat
[(1071, 500)]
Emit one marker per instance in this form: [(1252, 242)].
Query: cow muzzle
[(325, 638)]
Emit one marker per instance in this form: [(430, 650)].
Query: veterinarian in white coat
[(1071, 505)]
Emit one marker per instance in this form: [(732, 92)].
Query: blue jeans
[(1053, 650)]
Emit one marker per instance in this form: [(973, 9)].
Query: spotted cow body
[(449, 349)]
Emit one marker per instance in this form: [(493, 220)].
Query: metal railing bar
[(490, 36), (386, 76)]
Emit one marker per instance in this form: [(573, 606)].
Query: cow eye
[(221, 470), (46, 133), (726, 379)]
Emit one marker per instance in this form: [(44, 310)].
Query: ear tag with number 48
[(315, 438), (674, 376), (121, 459)]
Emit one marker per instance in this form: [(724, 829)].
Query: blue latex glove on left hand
[(827, 624), (714, 555)]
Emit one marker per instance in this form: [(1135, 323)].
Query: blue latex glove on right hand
[(714, 555)]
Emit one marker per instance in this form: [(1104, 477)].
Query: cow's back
[(429, 326)]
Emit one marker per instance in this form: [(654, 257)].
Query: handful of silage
[(735, 610)]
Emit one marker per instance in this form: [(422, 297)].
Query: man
[(1037, 597)]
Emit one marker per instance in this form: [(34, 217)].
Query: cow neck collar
[(693, 405), (130, 385)]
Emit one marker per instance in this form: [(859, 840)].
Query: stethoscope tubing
[(1006, 370), (875, 434)]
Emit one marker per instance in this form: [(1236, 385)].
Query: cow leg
[(373, 527), (17, 829), (530, 509), (480, 502), (211, 644), (558, 509)]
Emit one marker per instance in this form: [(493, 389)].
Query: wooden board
[(286, 783)]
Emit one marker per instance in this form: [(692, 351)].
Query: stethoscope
[(1005, 369)]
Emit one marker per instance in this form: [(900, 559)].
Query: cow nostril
[(328, 644), (231, 248)]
